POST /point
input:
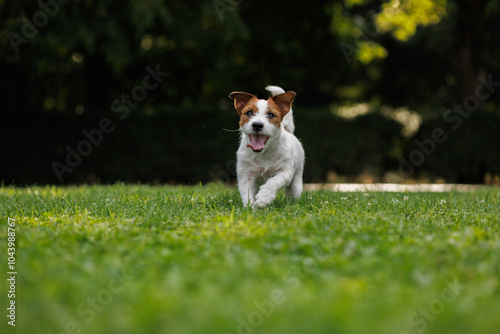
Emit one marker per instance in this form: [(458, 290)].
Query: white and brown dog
[(270, 157)]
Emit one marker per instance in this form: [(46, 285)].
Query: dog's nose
[(257, 126)]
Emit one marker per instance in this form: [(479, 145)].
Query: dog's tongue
[(257, 143)]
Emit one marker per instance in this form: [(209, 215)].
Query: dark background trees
[(389, 65)]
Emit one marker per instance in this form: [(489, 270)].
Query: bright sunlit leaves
[(402, 17), (369, 51)]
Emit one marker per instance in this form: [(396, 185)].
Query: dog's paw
[(259, 204), (263, 198), (247, 202)]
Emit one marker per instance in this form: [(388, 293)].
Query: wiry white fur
[(280, 164), (287, 122)]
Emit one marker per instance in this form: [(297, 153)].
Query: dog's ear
[(241, 99), (284, 101)]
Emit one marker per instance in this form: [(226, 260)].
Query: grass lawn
[(142, 259)]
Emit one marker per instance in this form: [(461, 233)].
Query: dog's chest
[(261, 168)]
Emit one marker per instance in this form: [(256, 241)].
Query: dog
[(269, 157)]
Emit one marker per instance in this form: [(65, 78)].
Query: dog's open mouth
[(257, 142)]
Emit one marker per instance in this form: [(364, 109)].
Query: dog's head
[(260, 120)]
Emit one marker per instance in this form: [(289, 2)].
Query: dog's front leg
[(267, 192), (247, 188)]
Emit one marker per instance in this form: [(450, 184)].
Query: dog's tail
[(275, 90), (287, 122)]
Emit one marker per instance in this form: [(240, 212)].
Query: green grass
[(193, 260)]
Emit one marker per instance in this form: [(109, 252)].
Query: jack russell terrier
[(270, 157)]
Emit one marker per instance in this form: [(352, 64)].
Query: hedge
[(190, 145)]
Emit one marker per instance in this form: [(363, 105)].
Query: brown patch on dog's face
[(244, 103), (241, 100), (249, 110), (274, 113), (279, 106)]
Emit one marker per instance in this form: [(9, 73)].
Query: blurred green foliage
[(70, 60), (403, 17)]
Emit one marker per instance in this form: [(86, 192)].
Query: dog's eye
[(270, 115), (249, 113)]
